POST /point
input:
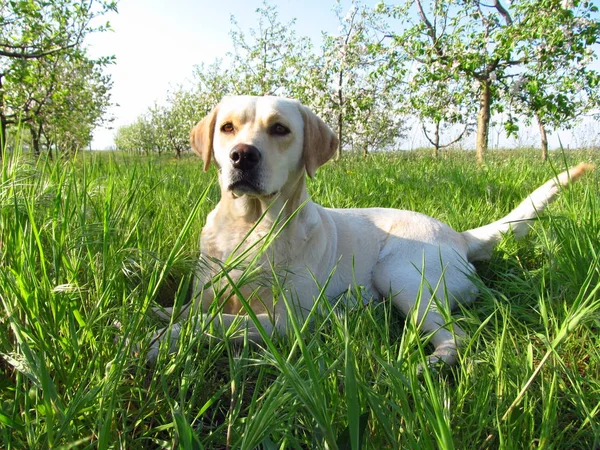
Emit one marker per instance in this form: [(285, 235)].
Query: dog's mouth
[(242, 187)]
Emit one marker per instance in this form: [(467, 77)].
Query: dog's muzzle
[(244, 157), (245, 161)]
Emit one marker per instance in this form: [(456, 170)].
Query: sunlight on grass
[(87, 247)]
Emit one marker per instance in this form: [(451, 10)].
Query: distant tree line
[(52, 94), (450, 64)]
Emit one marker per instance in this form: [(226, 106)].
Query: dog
[(264, 147)]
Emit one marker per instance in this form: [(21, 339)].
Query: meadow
[(88, 246)]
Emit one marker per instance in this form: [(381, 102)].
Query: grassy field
[(90, 243)]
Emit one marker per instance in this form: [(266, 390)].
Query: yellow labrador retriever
[(264, 147)]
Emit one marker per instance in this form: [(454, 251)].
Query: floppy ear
[(320, 143), (201, 137)]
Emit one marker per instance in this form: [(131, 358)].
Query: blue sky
[(157, 43)]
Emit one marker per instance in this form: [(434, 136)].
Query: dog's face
[(260, 142)]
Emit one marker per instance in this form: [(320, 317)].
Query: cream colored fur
[(389, 252)]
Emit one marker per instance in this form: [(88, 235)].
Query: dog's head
[(260, 142)]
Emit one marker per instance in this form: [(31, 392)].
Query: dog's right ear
[(202, 135)]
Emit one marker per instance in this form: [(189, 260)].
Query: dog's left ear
[(320, 143), (201, 137)]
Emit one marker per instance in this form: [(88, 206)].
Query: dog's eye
[(279, 130), (227, 127)]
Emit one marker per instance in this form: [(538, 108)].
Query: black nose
[(244, 157)]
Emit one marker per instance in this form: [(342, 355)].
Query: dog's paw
[(439, 359), (152, 353), (165, 337), (434, 364)]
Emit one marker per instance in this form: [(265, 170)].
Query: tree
[(377, 120), (557, 85), (186, 107), (78, 104), (36, 34), (34, 29), (210, 83), (125, 138), (136, 137), (489, 43), (171, 123), (267, 60), (179, 117), (441, 104), (362, 95), (166, 127), (344, 83), (459, 40), (348, 82), (61, 98)]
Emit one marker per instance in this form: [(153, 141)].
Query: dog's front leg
[(221, 326)]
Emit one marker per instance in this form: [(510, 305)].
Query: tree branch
[(503, 12), (430, 28), (35, 55), (457, 139), (427, 136)]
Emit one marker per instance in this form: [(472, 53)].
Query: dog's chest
[(241, 241), (251, 257)]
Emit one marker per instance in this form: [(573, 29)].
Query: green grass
[(92, 243)]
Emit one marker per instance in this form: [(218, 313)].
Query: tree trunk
[(436, 141), (2, 120), (47, 143), (2, 136), (340, 130), (543, 137), (338, 152), (483, 120), (35, 140)]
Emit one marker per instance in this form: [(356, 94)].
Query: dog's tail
[(481, 241)]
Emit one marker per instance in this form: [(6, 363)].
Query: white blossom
[(568, 4)]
